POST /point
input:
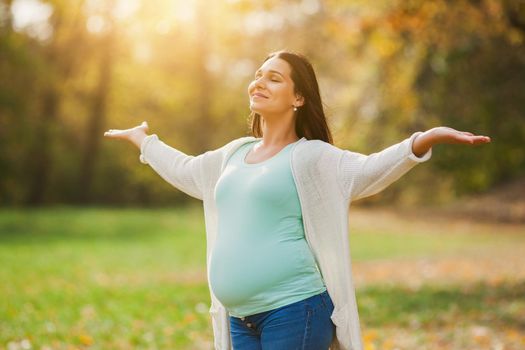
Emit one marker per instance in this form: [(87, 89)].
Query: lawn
[(135, 279)]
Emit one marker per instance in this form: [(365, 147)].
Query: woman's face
[(272, 90)]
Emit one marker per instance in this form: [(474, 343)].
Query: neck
[(278, 131)]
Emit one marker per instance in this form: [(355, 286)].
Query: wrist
[(137, 137), (424, 142)]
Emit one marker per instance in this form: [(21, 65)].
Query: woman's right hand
[(134, 135)]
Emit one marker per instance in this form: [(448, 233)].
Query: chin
[(255, 109), (262, 110)]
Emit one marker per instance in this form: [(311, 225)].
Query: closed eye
[(273, 78)]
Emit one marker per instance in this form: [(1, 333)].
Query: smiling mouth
[(259, 95)]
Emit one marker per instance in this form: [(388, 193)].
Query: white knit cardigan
[(328, 179)]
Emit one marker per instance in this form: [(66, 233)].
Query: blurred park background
[(98, 252)]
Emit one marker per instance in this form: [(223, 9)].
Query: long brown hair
[(310, 119)]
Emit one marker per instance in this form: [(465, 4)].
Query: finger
[(485, 138), (462, 137), (467, 133), (111, 133), (480, 139)]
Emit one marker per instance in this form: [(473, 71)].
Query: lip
[(258, 94)]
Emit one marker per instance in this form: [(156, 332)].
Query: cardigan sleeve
[(362, 175), (179, 169)]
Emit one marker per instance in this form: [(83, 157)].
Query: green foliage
[(386, 69)]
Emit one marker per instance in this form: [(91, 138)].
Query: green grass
[(372, 245), (500, 305), (113, 278), (136, 279)]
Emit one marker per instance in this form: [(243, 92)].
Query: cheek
[(284, 92)]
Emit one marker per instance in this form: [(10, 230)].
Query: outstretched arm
[(443, 134), (362, 175), (179, 169)]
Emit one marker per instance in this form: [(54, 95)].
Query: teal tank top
[(260, 260)]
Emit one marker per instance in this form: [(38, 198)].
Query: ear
[(299, 100)]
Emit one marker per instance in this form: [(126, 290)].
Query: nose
[(258, 83)]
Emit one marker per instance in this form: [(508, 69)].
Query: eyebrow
[(271, 71)]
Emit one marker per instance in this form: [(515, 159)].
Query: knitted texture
[(328, 179)]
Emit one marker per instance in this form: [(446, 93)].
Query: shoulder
[(241, 140), (212, 161), (236, 143), (319, 148), (233, 144), (229, 148), (317, 155)]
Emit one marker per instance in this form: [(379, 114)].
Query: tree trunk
[(95, 123), (40, 154)]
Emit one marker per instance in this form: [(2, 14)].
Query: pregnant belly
[(242, 274)]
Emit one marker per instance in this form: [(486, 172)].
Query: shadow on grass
[(431, 306)]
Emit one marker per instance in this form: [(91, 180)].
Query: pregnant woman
[(276, 212)]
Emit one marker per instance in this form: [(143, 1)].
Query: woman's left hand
[(444, 134)]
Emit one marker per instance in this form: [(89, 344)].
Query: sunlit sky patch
[(32, 16), (139, 19)]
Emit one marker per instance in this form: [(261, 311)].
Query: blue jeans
[(302, 325)]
